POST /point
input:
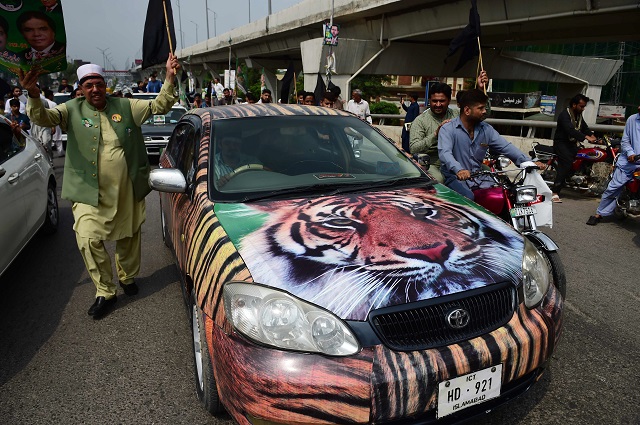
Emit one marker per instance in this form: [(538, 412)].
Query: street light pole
[(206, 11), (196, 30), (249, 11), (215, 15), (180, 22)]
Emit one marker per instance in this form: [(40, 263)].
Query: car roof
[(266, 110)]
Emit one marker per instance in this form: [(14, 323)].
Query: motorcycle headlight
[(536, 275), (526, 194), (275, 318)]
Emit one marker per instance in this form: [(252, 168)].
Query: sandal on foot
[(556, 199)]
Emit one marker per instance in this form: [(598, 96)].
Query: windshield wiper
[(402, 181), (314, 188), (334, 189)]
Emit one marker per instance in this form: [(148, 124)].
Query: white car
[(28, 200)]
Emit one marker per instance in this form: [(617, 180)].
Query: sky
[(116, 26)]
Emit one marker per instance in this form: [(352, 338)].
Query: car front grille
[(425, 324)]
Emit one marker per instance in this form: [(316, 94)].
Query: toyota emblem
[(458, 318)]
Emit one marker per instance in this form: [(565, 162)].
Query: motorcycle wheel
[(557, 268), (622, 205), (549, 174)]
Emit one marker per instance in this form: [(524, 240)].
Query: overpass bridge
[(411, 37)]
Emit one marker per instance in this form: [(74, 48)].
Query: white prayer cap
[(90, 70)]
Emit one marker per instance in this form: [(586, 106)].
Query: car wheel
[(206, 388), (52, 214)]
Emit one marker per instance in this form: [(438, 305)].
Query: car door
[(182, 152), (15, 157)]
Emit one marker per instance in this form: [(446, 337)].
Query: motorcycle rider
[(463, 143), (570, 131), (628, 163)]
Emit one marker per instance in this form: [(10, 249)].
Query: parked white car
[(28, 200)]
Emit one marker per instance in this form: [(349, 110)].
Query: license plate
[(468, 390), (522, 211)]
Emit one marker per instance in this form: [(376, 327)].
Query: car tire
[(206, 387), (52, 214)]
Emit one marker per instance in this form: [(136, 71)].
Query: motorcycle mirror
[(422, 159)]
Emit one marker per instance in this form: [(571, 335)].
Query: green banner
[(32, 35)]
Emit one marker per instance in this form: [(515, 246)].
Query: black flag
[(4, 89), (321, 88), (467, 39), (155, 43), (286, 84)]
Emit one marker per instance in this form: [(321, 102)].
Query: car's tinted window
[(181, 147), (292, 151), (9, 144)]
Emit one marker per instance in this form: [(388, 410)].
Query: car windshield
[(171, 117), (145, 96), (257, 158), (61, 98)]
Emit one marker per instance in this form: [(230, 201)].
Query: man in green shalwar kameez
[(106, 172)]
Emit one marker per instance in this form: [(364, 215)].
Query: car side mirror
[(169, 180)]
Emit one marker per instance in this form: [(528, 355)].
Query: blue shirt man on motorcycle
[(628, 162), (463, 143)]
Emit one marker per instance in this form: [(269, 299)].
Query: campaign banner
[(32, 35)]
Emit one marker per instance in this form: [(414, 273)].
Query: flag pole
[(295, 88), (481, 64), (166, 24)]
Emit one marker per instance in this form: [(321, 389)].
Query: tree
[(371, 85)]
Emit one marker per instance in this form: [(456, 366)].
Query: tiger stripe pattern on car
[(401, 383)]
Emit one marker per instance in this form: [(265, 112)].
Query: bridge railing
[(522, 123)]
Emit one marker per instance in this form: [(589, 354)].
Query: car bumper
[(260, 385), (156, 146)]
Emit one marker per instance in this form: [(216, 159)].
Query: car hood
[(354, 253)]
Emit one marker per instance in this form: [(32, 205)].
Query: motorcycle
[(589, 170), (628, 202), (513, 201)]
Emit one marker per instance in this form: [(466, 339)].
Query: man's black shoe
[(101, 306), (129, 289), (593, 220)]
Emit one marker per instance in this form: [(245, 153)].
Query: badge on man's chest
[(116, 117), (87, 122)]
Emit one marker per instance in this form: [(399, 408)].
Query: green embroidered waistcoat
[(80, 183)]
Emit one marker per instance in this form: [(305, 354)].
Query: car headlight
[(275, 318), (147, 138), (536, 275), (526, 194)]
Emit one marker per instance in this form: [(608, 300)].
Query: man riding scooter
[(628, 163)]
